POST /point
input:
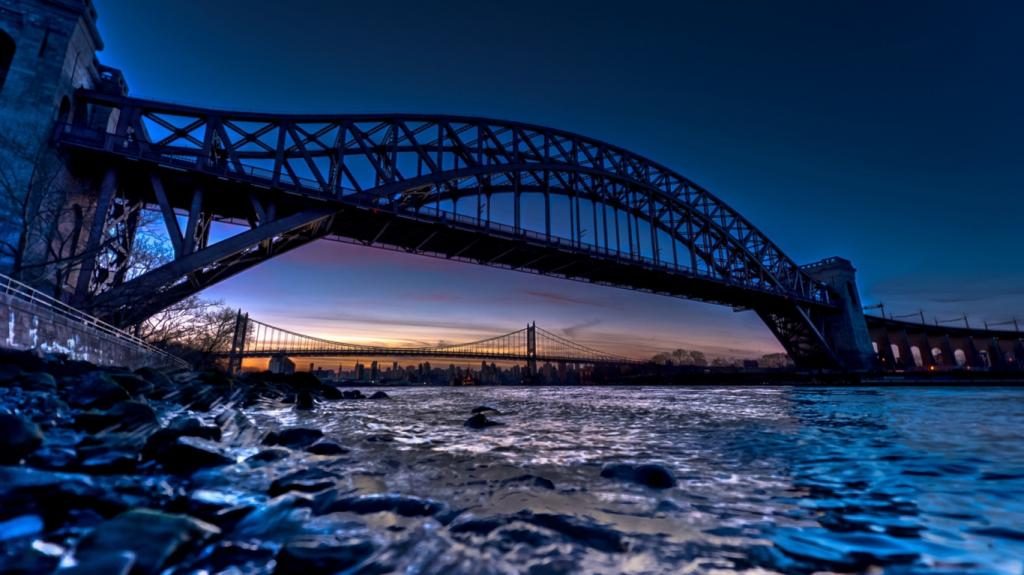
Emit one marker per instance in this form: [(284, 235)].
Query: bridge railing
[(41, 323)]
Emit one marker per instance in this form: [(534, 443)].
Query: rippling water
[(785, 479)]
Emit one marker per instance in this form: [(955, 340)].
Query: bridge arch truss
[(429, 184)]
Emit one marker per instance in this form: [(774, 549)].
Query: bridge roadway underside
[(232, 202)]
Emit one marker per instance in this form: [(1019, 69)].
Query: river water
[(780, 479)]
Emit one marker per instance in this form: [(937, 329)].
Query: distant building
[(279, 363)]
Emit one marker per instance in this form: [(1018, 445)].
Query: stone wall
[(39, 328)]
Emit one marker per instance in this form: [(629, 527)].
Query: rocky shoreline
[(101, 471), (105, 470)]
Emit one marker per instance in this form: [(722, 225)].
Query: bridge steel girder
[(354, 168)]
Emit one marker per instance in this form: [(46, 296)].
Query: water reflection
[(778, 479)]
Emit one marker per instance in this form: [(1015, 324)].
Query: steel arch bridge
[(532, 345), (574, 207)]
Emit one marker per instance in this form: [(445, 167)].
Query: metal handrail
[(24, 292)]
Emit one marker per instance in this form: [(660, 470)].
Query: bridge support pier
[(845, 330)]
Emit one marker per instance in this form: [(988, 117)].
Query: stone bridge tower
[(47, 51), (846, 330)]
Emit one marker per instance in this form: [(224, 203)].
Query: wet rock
[(109, 564), (405, 505), (21, 526), (52, 457), (280, 518), (161, 382), (294, 437), (331, 392), (647, 474), (326, 448), (96, 389), (323, 556), (9, 373), (221, 508), (110, 452), (511, 528), (122, 416), (188, 454), (480, 421), (352, 394), (134, 384), (41, 557), (233, 557), (485, 409), (193, 427), (109, 462), (200, 396), (586, 532), (18, 438), (38, 381), (53, 495), (535, 480), (269, 455), (305, 481), (380, 395), (304, 400), (181, 427), (237, 427), (152, 536)]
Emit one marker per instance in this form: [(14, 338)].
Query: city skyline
[(788, 136)]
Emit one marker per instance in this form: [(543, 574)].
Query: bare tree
[(194, 328), (30, 191)]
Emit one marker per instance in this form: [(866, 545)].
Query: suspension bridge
[(530, 345)]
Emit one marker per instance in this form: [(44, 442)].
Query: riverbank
[(104, 470), (111, 471)]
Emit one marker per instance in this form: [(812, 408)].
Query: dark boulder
[(304, 400), (647, 474), (193, 427), (485, 409), (352, 394), (293, 437), (52, 457), (112, 452), (331, 392), (269, 455), (326, 448), (123, 416), (136, 385), (152, 536), (18, 438), (480, 421), (305, 481), (96, 389), (9, 373), (322, 556), (404, 505), (162, 386), (37, 381), (180, 427), (380, 395), (189, 454)]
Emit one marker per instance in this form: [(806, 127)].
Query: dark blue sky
[(885, 132)]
